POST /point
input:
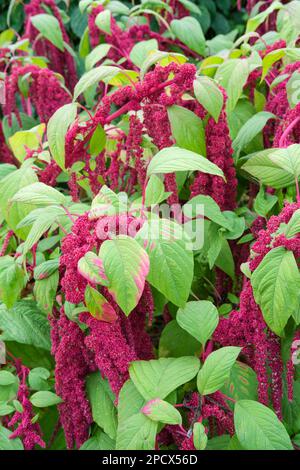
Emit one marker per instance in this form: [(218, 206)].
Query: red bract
[(60, 61)]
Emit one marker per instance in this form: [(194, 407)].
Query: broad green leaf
[(158, 378), (49, 27), (103, 21), (98, 141), (135, 430), (30, 139), (99, 441), (199, 436), (250, 129), (264, 202), (45, 291), (199, 319), (225, 259), (94, 76), (14, 212), (176, 342), (56, 131), (9, 444), (258, 428), (44, 398), (209, 96), (242, 383), (173, 159), (46, 269), (141, 50), (39, 194), (171, 263), (276, 284), (293, 226), (102, 403), (25, 324), (6, 378), (97, 54), (264, 169), (233, 75), (189, 31), (288, 159), (206, 206), (90, 266), (126, 265), (108, 203), (216, 369), (155, 191), (38, 377), (162, 411), (98, 306), (12, 280), (187, 129)]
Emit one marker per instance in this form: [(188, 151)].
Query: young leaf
[(199, 319), (216, 369), (56, 131), (199, 436), (90, 266), (49, 27), (276, 284), (158, 378), (258, 428), (30, 139), (98, 306), (162, 411), (44, 398), (103, 20), (209, 96), (126, 265), (187, 129), (172, 159)]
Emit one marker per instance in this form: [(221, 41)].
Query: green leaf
[(255, 21), (37, 378), (173, 159), (12, 280), (39, 194), (25, 324), (176, 342), (49, 27), (46, 269), (103, 21), (276, 284), (107, 203), (293, 89), (98, 306), (209, 96), (161, 56), (189, 32), (90, 266), (258, 428), (216, 369), (99, 441), (233, 75), (135, 430), (9, 444), (102, 403), (207, 207), (57, 128), (199, 319), (126, 265), (288, 159), (98, 141), (30, 139), (225, 260), (45, 291), (97, 54), (264, 202), (250, 129), (261, 166), (162, 411), (171, 263), (94, 76), (187, 129), (199, 436), (6, 378), (44, 398), (242, 383), (155, 191), (141, 51), (293, 226), (158, 378), (14, 212)]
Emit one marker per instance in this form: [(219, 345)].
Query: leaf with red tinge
[(162, 411), (90, 266), (126, 264), (98, 306)]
